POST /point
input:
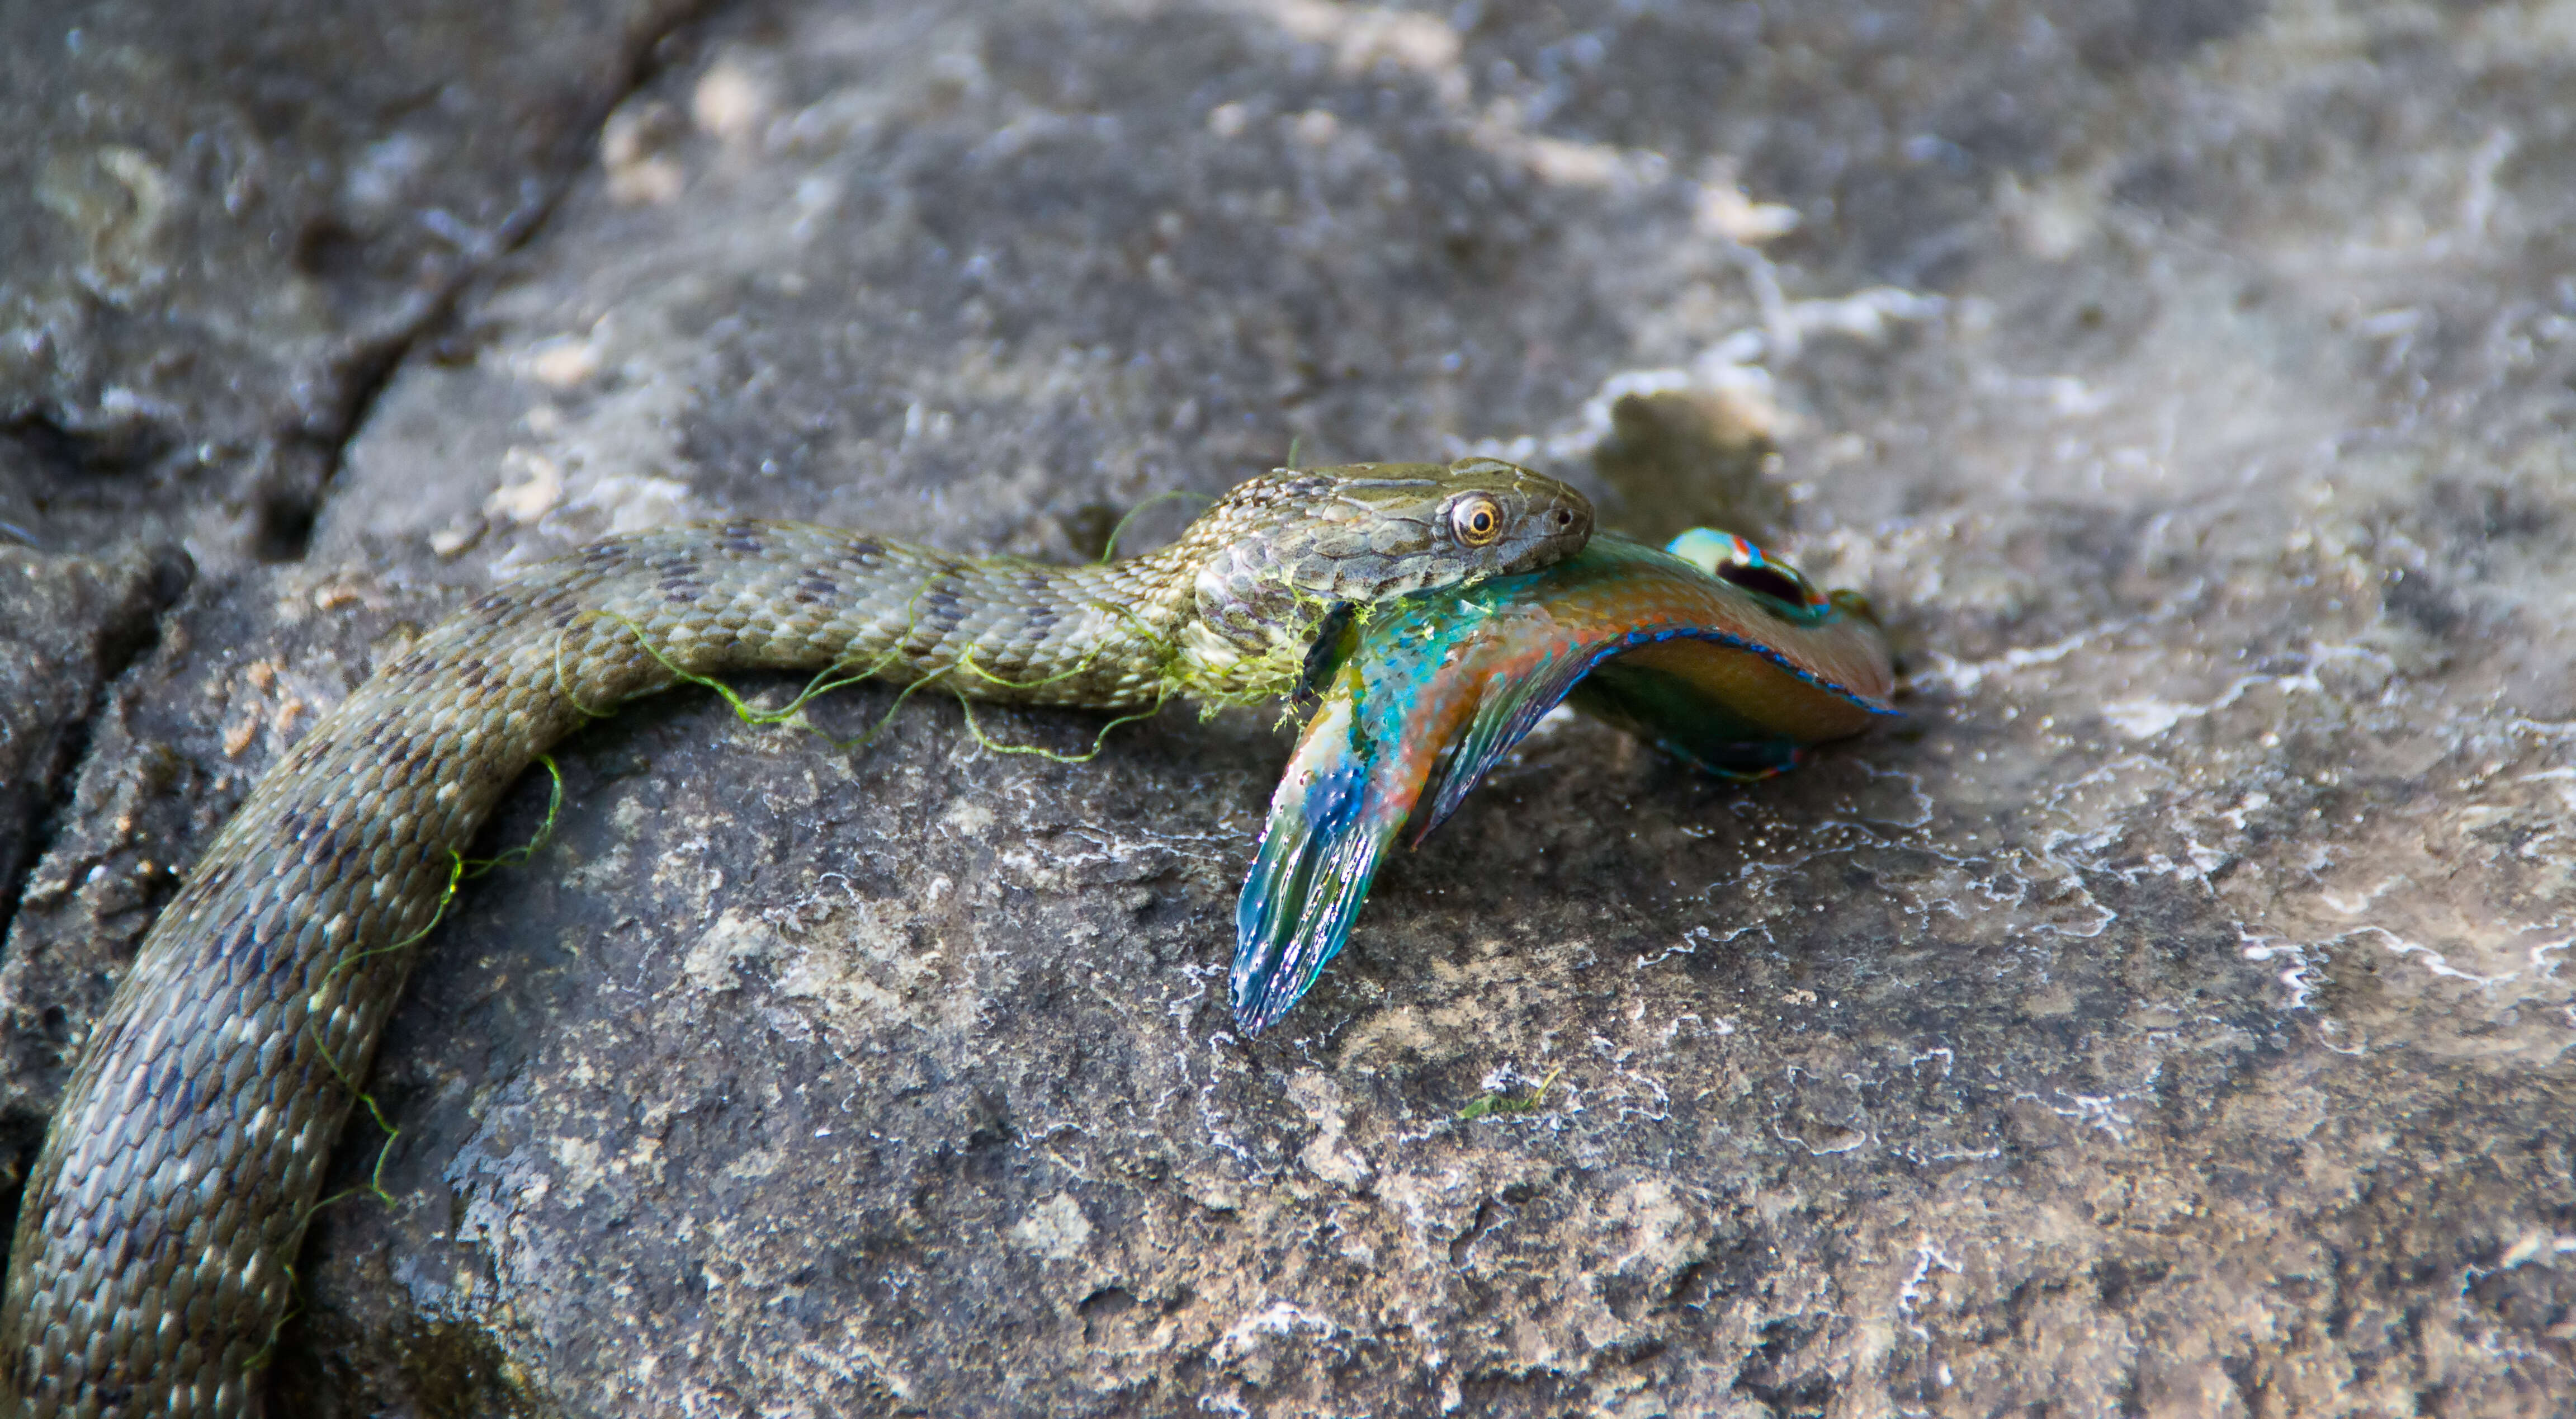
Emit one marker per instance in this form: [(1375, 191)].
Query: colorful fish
[(1721, 656)]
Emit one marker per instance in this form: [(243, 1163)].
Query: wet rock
[(2166, 1017)]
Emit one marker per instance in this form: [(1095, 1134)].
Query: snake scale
[(152, 1261)]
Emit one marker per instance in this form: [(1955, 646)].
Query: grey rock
[(228, 220), (68, 626), (2166, 1018)]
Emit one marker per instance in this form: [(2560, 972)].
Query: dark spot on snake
[(164, 1076), (149, 1236), (184, 1098), (328, 845), (941, 604), (408, 758)]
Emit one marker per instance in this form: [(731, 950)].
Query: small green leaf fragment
[(1484, 1104)]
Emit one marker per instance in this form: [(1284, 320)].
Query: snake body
[(151, 1266)]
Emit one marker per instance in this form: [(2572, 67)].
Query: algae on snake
[(154, 1247)]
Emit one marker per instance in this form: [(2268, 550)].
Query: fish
[(1710, 649)]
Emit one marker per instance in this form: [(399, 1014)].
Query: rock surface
[(228, 221), (2167, 1018)]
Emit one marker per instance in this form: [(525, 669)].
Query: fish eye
[(1477, 519), (1768, 579)]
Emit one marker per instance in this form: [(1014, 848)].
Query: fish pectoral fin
[(1329, 825), (1295, 915), (1511, 705)]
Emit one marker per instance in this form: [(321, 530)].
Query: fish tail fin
[(1318, 854)]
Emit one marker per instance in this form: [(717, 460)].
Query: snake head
[(1284, 553), (1367, 532), (1374, 531)]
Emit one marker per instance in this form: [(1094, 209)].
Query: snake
[(153, 1261)]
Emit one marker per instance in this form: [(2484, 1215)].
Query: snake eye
[(1477, 520)]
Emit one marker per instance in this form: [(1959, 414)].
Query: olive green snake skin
[(152, 1262)]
